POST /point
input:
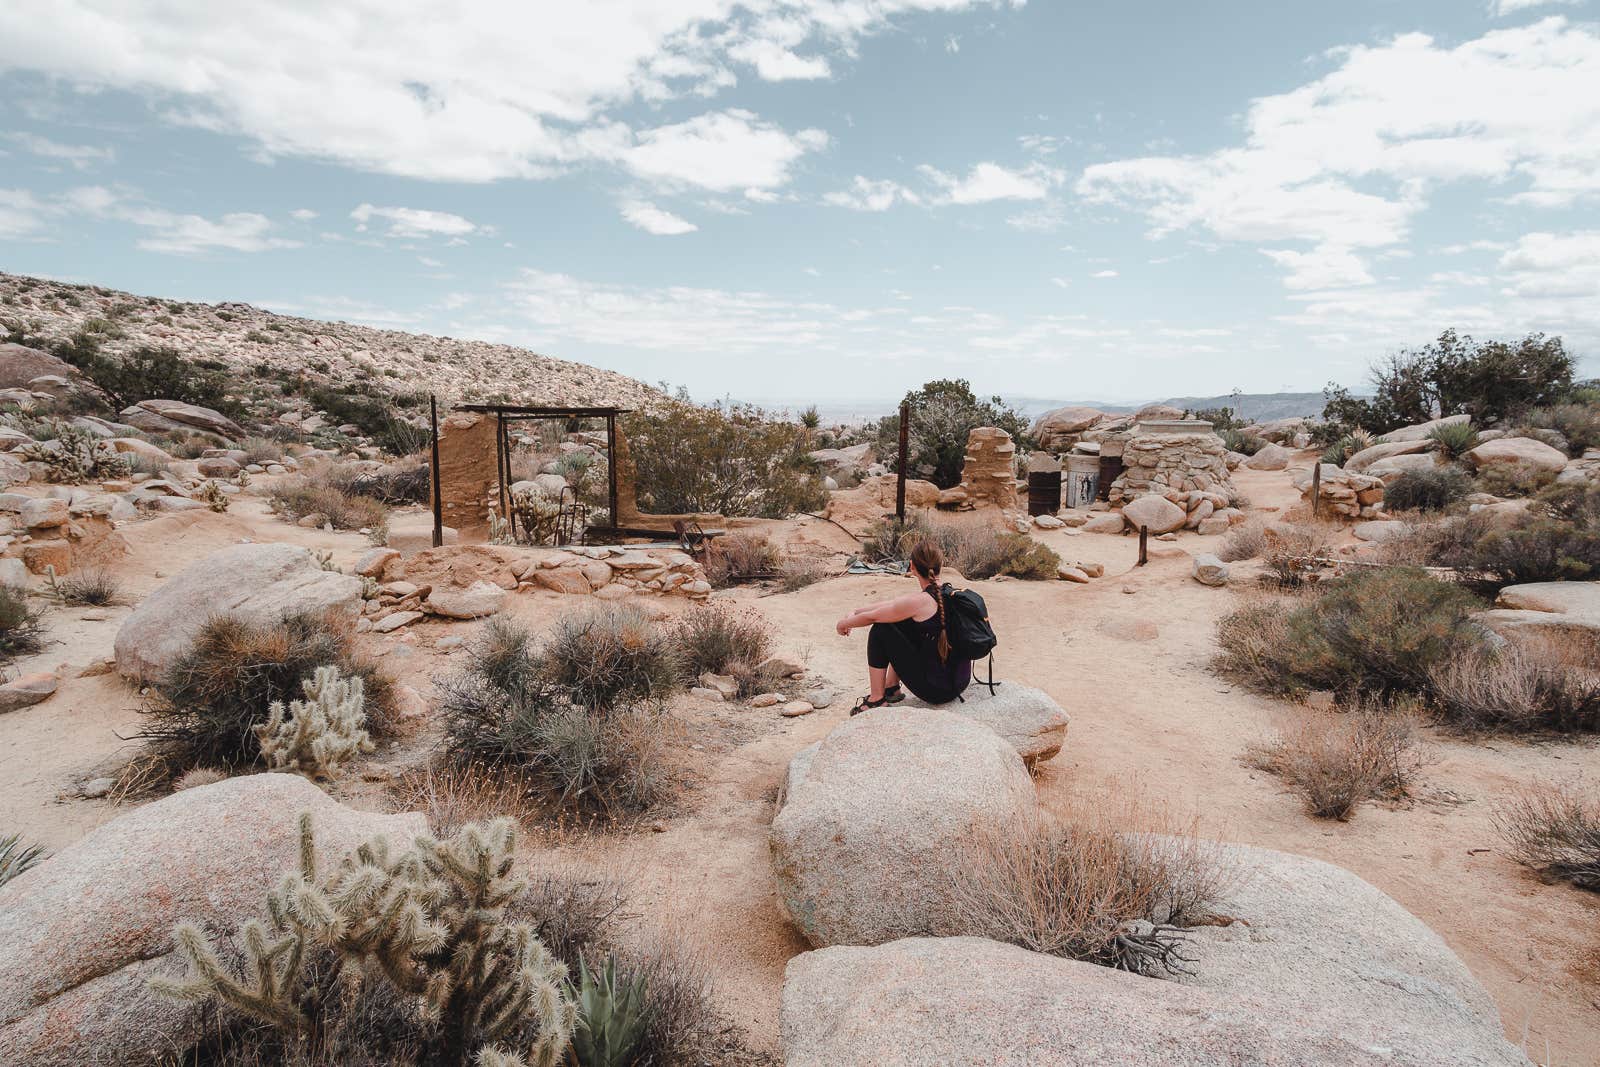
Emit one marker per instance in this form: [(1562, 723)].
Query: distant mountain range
[(1259, 407)]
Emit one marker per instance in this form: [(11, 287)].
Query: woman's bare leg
[(877, 676), (891, 678)]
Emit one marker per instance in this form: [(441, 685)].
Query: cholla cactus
[(319, 733), (213, 497), (432, 921)]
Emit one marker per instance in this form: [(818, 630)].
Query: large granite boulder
[(1329, 971), (167, 416), (20, 365), (1393, 467), (1421, 430), (1157, 513), (261, 583), (1386, 450), (1058, 430), (1575, 598), (1523, 450), (1028, 718), (82, 934), (865, 846), (1270, 458)]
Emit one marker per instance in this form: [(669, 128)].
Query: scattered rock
[(1421, 430), (1209, 570), (44, 513), (95, 788), (1048, 522), (722, 683), (706, 693), (1108, 522), (780, 667), (217, 467), (1068, 573), (165, 416), (475, 601), (796, 708), (408, 703), (766, 700), (1382, 531), (374, 560), (1158, 514), (394, 620), (567, 580), (1270, 458), (819, 698), (1028, 719)]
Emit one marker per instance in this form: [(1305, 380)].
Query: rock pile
[(988, 474), (1173, 465), (1344, 492)]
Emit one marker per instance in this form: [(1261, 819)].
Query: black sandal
[(893, 694), (866, 703)]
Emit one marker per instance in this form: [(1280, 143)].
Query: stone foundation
[(1172, 465)]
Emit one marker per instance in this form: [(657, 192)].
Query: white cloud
[(21, 214), (499, 89), (1510, 7), (1564, 266), (302, 214), (990, 181), (413, 223), (952, 44), (1060, 283), (652, 219), (865, 194), (1324, 267), (1345, 162), (721, 151), (1104, 274), (80, 157)]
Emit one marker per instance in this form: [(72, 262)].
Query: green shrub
[(204, 712), (713, 637), (943, 413), (891, 541), (1533, 548), (1241, 441), (975, 550), (155, 373), (612, 1017), (729, 460), (612, 655), (1426, 490), (1377, 631), (15, 857), (1579, 423), (21, 627), (1454, 439)]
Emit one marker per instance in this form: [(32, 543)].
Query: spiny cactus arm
[(493, 1056), (272, 999), (308, 848)]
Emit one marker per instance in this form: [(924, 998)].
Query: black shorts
[(904, 646)]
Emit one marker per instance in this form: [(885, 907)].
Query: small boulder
[(1156, 513), (1525, 450), (1209, 570), (1028, 719), (394, 620), (26, 691), (1106, 522), (722, 683), (568, 580), (473, 602), (1047, 522), (1382, 531), (1421, 430), (217, 467), (796, 708), (165, 416), (374, 560), (44, 513), (1270, 458)]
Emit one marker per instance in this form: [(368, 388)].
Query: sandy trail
[(1147, 716)]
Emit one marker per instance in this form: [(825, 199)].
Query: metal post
[(1144, 545), (438, 490), (1316, 488), (905, 446), (611, 466)]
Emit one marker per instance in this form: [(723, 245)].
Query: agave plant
[(613, 1015), (1454, 439), (15, 857)]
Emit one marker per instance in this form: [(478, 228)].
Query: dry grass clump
[(1286, 545), (92, 588), (612, 654), (17, 857), (329, 492), (21, 627), (739, 557), (1089, 888), (1528, 684), (204, 713), (453, 794), (515, 708), (714, 637), (1555, 829), (796, 573), (1336, 760), (974, 549), (1244, 541)]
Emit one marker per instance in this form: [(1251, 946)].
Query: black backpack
[(966, 625)]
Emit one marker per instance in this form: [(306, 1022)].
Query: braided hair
[(927, 560)]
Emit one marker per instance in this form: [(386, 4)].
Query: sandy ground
[(1147, 716)]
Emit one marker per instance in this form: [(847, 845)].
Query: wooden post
[(502, 463), (438, 490), (1144, 545), (611, 466), (905, 446), (1316, 488)]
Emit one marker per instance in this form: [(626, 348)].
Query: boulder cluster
[(1306, 963)]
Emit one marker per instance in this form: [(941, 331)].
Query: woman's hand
[(844, 627)]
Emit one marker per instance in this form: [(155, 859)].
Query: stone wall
[(1172, 463), (1344, 493), (988, 475), (469, 483)]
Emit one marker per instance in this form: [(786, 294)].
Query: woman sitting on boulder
[(907, 645)]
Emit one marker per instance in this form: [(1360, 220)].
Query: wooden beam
[(438, 490), (900, 479)]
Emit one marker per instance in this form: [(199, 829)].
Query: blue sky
[(831, 200)]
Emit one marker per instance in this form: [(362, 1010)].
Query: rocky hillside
[(259, 343)]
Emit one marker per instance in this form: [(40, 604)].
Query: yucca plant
[(613, 1015), (15, 857), (1454, 439)]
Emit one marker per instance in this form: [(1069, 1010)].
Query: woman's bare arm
[(896, 610)]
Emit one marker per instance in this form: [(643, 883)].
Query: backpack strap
[(991, 683)]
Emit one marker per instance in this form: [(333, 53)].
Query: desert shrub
[(974, 549), (453, 793), (712, 637), (796, 573), (151, 373), (1578, 504), (1241, 441), (431, 920), (1514, 479), (400, 437), (396, 485), (1023, 557), (1346, 445), (1579, 423), (91, 588), (1426, 490), (943, 413), (21, 627), (1244, 541), (507, 710), (1336, 760), (739, 556), (754, 679), (891, 541), (612, 655), (1534, 548), (1454, 439), (682, 1027), (259, 449), (330, 493), (371, 408), (204, 712), (1377, 631), (1084, 890), (1287, 547), (16, 857), (74, 456), (1555, 830), (729, 459), (1525, 685)]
